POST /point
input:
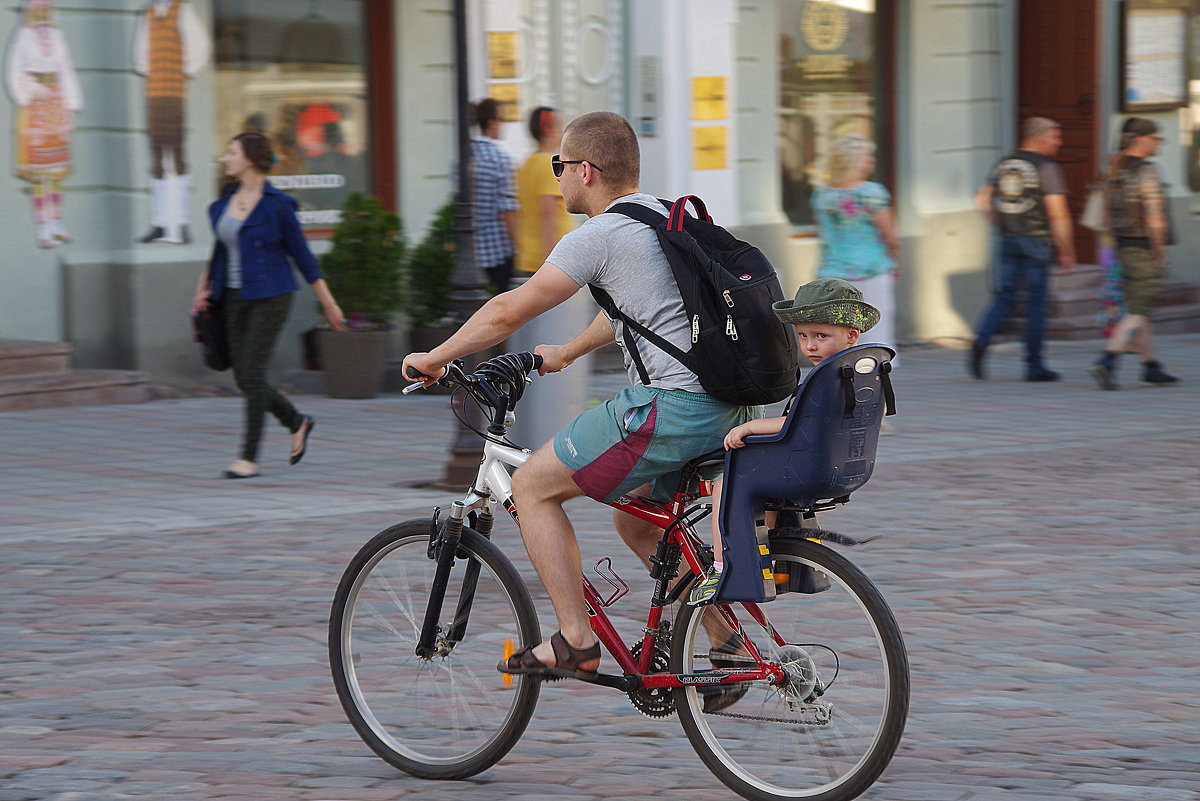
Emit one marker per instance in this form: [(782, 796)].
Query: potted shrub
[(429, 267), (365, 272)]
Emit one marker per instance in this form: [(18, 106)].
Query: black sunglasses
[(556, 164)]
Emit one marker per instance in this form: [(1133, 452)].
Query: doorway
[(1058, 77)]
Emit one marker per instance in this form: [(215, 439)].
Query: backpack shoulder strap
[(643, 214), (605, 301)]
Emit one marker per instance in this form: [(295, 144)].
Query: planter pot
[(423, 340), (354, 362)]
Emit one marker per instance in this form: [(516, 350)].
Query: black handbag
[(208, 328)]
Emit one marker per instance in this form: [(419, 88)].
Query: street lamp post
[(468, 285)]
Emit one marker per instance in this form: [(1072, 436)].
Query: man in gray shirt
[(639, 439)]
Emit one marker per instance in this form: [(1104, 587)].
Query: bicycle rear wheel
[(829, 729), (451, 715)]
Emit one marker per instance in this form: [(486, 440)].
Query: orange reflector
[(508, 651)]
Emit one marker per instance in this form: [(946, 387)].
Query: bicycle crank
[(654, 702)]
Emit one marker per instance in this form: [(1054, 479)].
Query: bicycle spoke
[(829, 727), (450, 715)]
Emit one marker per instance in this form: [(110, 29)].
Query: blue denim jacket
[(267, 238)]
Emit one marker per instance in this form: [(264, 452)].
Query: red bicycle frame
[(680, 533)]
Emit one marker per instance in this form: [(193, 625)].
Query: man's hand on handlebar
[(553, 358), (419, 367)]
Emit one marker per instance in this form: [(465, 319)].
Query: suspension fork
[(445, 547), (458, 629)]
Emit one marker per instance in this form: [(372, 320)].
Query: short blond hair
[(846, 155), (608, 142)]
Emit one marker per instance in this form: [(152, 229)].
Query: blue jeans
[(1019, 260)]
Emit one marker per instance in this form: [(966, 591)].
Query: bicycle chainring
[(656, 702)]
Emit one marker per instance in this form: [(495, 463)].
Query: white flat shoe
[(241, 469)]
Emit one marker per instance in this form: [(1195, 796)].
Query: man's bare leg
[(540, 487), (642, 538)]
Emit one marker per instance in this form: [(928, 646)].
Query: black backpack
[(740, 351)]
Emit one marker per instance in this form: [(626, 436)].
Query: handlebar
[(497, 383)]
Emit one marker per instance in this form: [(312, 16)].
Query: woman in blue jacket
[(250, 274)]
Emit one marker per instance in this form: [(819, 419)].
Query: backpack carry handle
[(679, 211)]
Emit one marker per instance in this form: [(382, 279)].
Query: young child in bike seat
[(828, 314)]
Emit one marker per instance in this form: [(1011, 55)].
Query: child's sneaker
[(706, 588), (1104, 371), (1154, 376)]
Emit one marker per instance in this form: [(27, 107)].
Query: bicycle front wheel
[(829, 727), (452, 714)]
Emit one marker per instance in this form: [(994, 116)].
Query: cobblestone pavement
[(163, 630)]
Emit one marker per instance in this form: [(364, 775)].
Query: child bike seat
[(825, 451)]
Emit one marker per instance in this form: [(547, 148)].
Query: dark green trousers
[(253, 327)]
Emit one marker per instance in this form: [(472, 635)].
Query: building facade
[(116, 111)]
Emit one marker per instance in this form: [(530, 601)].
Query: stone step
[(74, 388), (25, 357), (1084, 276), (1177, 318)]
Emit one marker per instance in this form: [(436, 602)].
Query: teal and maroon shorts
[(644, 435)]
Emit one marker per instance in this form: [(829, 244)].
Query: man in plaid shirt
[(494, 196)]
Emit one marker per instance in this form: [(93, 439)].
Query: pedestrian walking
[(1138, 222), (1025, 198), (542, 217), (542, 220), (494, 198), (257, 232), (858, 230)]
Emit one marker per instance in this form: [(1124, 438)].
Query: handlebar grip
[(537, 361), (413, 372)]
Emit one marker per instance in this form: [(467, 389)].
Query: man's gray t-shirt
[(623, 257)]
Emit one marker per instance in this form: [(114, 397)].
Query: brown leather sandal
[(566, 656)]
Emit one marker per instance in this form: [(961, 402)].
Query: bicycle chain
[(770, 720)]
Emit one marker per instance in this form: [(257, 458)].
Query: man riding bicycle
[(635, 442)]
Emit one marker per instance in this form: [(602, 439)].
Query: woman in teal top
[(858, 229)]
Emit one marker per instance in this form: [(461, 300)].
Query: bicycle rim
[(829, 730), (452, 715)]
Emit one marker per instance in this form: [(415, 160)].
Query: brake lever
[(413, 372)]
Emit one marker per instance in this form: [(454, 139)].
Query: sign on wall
[(1154, 54)]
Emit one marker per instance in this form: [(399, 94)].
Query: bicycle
[(806, 700)]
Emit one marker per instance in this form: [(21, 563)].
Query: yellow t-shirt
[(535, 179)]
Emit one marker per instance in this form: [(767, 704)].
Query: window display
[(297, 71), (830, 80)]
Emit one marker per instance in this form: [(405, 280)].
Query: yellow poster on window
[(506, 95), (709, 148), (502, 54), (709, 98)]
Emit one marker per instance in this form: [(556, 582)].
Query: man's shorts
[(644, 435), (1142, 279)]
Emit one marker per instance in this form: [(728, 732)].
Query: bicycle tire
[(451, 715), (765, 744)]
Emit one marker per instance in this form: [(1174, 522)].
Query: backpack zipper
[(730, 328), (695, 328), (728, 298)]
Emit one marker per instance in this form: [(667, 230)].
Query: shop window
[(297, 71), (831, 74)]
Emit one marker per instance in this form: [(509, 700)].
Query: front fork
[(443, 547)]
